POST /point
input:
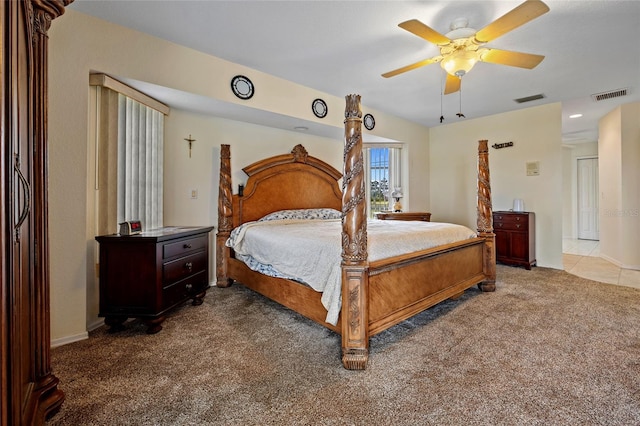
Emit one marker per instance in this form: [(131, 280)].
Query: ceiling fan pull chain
[(441, 94), (460, 114)]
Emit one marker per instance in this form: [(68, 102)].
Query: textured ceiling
[(341, 47)]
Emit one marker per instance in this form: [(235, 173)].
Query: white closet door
[(588, 223)]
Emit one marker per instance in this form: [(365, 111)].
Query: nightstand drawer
[(517, 223), (183, 267), (421, 216), (184, 247), (182, 290)]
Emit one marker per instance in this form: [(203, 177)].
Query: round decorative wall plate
[(369, 122), (242, 87), (319, 108)]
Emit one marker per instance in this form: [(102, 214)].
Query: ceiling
[(342, 47)]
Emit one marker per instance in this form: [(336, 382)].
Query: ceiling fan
[(461, 48)]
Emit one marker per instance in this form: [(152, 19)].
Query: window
[(128, 134), (382, 173), (140, 158)]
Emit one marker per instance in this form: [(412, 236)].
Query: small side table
[(147, 275), (423, 216)]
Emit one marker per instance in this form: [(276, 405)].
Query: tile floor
[(582, 258)]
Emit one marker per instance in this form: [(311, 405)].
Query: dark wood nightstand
[(515, 238), (146, 275), (423, 216)]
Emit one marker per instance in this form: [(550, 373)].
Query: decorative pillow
[(324, 213)]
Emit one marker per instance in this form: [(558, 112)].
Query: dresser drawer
[(511, 222), (511, 225), (184, 247), (181, 268), (182, 290)]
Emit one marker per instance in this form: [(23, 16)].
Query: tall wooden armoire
[(29, 390)]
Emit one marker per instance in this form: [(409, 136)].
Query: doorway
[(588, 205)]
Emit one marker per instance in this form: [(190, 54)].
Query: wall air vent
[(529, 98), (609, 95)]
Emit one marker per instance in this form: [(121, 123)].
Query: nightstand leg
[(115, 323), (198, 298), (154, 325)]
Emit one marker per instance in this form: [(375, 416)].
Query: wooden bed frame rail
[(375, 295)]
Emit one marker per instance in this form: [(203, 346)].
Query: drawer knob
[(188, 287), (518, 225), (188, 266), (187, 246)]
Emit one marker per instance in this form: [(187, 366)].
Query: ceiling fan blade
[(452, 84), (421, 30), (513, 59), (412, 66), (522, 14)]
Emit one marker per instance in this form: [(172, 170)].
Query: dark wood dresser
[(146, 275), (423, 216), (515, 238)]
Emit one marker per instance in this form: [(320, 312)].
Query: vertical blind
[(140, 161)]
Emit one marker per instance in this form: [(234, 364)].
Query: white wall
[(630, 217), (249, 142), (619, 166), (80, 44), (536, 134)]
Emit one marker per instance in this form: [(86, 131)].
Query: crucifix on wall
[(190, 140)]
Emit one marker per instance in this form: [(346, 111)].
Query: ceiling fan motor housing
[(461, 54)]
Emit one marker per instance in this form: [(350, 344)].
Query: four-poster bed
[(376, 293)]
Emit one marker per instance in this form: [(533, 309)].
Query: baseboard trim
[(96, 324), (611, 259), (619, 264), (69, 339)]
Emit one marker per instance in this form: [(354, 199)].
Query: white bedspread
[(310, 250)]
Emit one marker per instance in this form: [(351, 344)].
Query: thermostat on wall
[(533, 168)]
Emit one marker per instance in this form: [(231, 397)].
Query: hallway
[(582, 258)]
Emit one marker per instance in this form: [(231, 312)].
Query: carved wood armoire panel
[(29, 391)]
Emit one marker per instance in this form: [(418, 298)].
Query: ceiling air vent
[(529, 98), (609, 95)]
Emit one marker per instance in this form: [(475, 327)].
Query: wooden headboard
[(290, 181)]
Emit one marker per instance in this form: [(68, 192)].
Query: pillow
[(324, 213)]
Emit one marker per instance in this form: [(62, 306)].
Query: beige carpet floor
[(547, 348)]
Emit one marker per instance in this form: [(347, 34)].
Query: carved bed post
[(485, 218), (355, 277), (225, 211)]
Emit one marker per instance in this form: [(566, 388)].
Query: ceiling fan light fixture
[(459, 63)]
